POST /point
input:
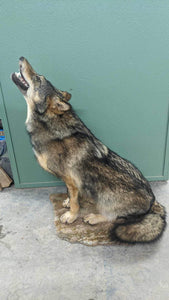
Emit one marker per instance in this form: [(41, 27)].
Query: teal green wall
[(113, 56)]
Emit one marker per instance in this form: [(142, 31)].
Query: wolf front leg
[(71, 215)]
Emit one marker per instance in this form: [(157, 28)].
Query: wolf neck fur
[(61, 126)]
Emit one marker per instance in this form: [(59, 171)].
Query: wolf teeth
[(19, 76)]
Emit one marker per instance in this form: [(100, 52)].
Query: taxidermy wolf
[(65, 147)]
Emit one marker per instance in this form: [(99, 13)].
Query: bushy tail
[(141, 229)]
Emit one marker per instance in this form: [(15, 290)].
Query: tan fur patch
[(73, 191), (53, 108), (66, 95), (42, 159)]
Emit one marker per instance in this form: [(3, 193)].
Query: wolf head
[(39, 93)]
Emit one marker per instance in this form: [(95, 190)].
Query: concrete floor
[(36, 265)]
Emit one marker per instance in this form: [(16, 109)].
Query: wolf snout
[(22, 62)]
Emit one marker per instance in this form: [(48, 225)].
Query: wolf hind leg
[(93, 219)]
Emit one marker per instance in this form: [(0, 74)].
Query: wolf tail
[(141, 229)]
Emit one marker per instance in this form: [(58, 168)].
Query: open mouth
[(19, 80)]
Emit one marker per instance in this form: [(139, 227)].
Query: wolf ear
[(66, 96), (58, 106), (62, 105)]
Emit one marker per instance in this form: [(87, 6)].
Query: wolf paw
[(68, 217), (93, 219), (66, 202)]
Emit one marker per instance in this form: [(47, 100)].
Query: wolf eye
[(38, 79)]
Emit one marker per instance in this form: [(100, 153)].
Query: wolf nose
[(21, 58)]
